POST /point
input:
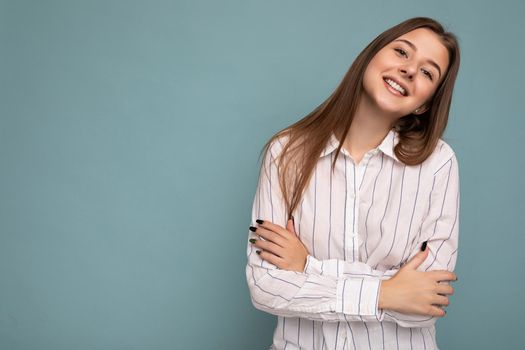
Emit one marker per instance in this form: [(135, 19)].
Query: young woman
[(354, 229)]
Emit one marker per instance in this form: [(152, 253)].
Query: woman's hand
[(417, 292), (281, 247)]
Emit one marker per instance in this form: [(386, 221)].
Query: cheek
[(429, 92), (372, 73), (376, 64), (425, 90), (367, 77)]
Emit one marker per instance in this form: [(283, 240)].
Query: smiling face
[(404, 74)]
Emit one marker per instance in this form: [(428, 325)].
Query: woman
[(373, 192)]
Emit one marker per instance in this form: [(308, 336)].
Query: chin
[(389, 106)]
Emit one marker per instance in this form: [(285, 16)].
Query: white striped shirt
[(359, 224)]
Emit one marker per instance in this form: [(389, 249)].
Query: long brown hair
[(418, 134)]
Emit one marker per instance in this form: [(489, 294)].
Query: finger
[(417, 260), (290, 226), (272, 259), (275, 228), (269, 235), (445, 289), (270, 247), (444, 275), (436, 311), (441, 300)]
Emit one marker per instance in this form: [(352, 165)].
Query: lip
[(397, 82)]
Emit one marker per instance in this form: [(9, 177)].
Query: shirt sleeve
[(440, 229), (301, 294)]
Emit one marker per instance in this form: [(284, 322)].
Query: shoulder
[(272, 150), (277, 144), (444, 150), (443, 154)]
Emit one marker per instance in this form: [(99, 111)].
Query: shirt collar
[(386, 146)]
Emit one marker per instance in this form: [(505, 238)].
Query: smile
[(394, 87)]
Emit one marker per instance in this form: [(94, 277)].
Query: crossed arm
[(284, 279)]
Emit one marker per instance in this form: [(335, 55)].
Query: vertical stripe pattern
[(359, 224)]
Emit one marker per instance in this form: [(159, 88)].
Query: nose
[(407, 71)]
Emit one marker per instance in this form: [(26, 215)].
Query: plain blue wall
[(129, 140)]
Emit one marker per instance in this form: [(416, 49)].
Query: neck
[(369, 127)]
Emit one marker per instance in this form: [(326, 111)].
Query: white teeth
[(395, 86)]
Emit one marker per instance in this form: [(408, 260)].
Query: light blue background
[(129, 140)]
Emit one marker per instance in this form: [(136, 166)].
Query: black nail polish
[(253, 228), (259, 221), (424, 246), (258, 252), (252, 240)]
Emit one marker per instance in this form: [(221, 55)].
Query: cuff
[(358, 296), (313, 266)]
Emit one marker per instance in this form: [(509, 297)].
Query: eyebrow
[(415, 49)]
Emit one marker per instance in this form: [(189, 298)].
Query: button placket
[(349, 207), (353, 199), (358, 180)]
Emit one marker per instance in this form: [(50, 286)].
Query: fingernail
[(258, 252), (252, 240), (259, 221), (253, 228), (424, 246)]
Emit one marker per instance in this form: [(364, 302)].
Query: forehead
[(428, 46)]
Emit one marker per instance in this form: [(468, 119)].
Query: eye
[(428, 74), (401, 51)]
